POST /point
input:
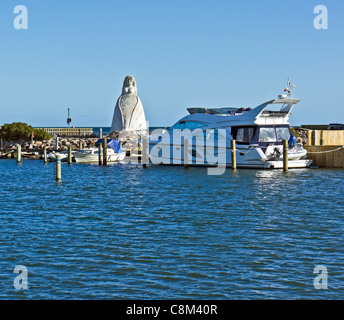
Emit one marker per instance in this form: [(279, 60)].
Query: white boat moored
[(258, 132), (89, 155)]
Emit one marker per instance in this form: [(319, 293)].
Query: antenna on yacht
[(290, 89)]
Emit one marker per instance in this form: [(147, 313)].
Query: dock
[(326, 156), (324, 147)]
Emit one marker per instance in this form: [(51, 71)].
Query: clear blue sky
[(182, 53)]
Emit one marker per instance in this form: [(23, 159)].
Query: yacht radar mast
[(290, 89)]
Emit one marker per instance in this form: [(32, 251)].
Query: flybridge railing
[(274, 114)]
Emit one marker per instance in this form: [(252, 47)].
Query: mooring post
[(70, 156), (45, 159), (285, 155), (19, 159), (100, 154), (105, 151), (57, 143), (144, 152), (186, 153), (233, 152), (315, 137), (100, 133), (321, 137), (58, 167), (80, 143)]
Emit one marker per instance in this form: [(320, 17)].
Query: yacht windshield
[(283, 133), (267, 135), (274, 134)]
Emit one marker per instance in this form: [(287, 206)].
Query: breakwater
[(35, 149)]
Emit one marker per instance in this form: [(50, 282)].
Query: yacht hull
[(246, 158), (292, 164)]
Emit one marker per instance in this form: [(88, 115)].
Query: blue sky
[(182, 53)]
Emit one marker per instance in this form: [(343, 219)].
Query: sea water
[(124, 232)]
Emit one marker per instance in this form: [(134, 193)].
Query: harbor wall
[(324, 157)]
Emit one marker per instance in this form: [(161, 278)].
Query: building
[(69, 132)]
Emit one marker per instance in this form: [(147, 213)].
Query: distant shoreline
[(106, 130)]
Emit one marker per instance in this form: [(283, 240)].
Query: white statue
[(129, 116)]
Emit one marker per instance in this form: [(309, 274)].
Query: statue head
[(129, 85)]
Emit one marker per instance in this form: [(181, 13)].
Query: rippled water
[(121, 232)]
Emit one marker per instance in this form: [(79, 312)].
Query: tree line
[(22, 131)]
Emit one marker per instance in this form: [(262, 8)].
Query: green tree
[(19, 130), (41, 134)]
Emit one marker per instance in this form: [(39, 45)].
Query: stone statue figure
[(129, 115)]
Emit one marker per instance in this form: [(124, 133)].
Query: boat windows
[(86, 151), (274, 134), (188, 125), (267, 135), (243, 134), (283, 133)]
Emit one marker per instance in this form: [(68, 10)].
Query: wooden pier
[(326, 156), (325, 137), (325, 147)]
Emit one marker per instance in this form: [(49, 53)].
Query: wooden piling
[(285, 155), (56, 143), (186, 153), (100, 154), (322, 137), (70, 155), (45, 159), (58, 168), (233, 153), (315, 137), (19, 157), (80, 142), (105, 151)]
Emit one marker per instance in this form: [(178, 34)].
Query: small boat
[(91, 155), (63, 155)]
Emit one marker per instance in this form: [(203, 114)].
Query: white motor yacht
[(258, 132)]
